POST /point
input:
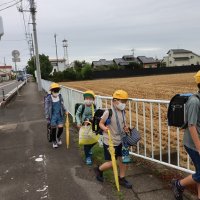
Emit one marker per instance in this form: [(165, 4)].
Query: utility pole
[(33, 11), (56, 51)]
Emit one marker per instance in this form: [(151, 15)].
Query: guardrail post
[(3, 94)]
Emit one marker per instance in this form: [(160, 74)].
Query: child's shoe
[(125, 183), (88, 161), (59, 141), (55, 145), (99, 174)]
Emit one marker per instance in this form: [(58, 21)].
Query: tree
[(45, 66), (69, 74), (86, 71)]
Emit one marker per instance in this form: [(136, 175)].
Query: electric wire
[(10, 5)]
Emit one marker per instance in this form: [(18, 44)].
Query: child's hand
[(126, 129), (86, 123), (106, 129), (78, 126)]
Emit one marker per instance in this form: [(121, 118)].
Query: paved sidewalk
[(30, 169)]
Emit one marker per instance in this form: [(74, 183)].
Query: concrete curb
[(10, 95)]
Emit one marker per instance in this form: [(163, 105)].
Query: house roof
[(6, 67), (120, 61), (145, 60), (102, 62), (177, 51), (130, 58)]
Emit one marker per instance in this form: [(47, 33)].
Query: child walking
[(84, 116), (55, 112), (116, 126)]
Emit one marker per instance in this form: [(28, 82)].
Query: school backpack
[(82, 109), (97, 118), (176, 110)]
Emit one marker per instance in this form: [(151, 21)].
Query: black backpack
[(97, 117), (176, 110), (82, 110)]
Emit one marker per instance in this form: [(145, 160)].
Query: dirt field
[(161, 87), (149, 87)]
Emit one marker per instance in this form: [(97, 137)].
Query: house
[(120, 62), (148, 62), (5, 72), (130, 58), (181, 57), (61, 64), (102, 63)]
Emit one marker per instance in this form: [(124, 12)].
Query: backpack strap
[(185, 125), (108, 120), (82, 110)]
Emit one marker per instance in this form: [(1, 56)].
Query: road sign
[(15, 54), (16, 59)]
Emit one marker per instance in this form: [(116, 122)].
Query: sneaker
[(59, 141), (88, 161), (178, 194), (55, 145), (125, 183), (99, 174)]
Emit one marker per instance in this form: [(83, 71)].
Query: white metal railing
[(159, 142)]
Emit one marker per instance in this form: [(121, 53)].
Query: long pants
[(87, 148)]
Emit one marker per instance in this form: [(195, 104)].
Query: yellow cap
[(197, 77), (120, 94), (54, 85), (89, 93)]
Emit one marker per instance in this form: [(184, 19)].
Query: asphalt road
[(7, 87), (30, 169)]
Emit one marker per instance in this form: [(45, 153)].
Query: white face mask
[(88, 102), (55, 94), (121, 106)]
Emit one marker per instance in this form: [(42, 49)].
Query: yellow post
[(67, 130), (114, 163)]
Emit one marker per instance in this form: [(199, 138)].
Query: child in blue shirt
[(85, 117)]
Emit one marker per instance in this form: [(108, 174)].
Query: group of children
[(55, 113)]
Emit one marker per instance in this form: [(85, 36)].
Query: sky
[(102, 29)]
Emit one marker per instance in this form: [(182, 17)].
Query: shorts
[(118, 152), (56, 120), (195, 157)]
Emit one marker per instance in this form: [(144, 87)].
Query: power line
[(11, 5), (7, 3)]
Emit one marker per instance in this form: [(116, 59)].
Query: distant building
[(130, 58), (148, 62), (102, 63), (61, 64), (181, 57), (120, 62), (5, 72)]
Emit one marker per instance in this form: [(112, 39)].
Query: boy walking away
[(116, 125), (191, 143), (55, 112), (84, 116)]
